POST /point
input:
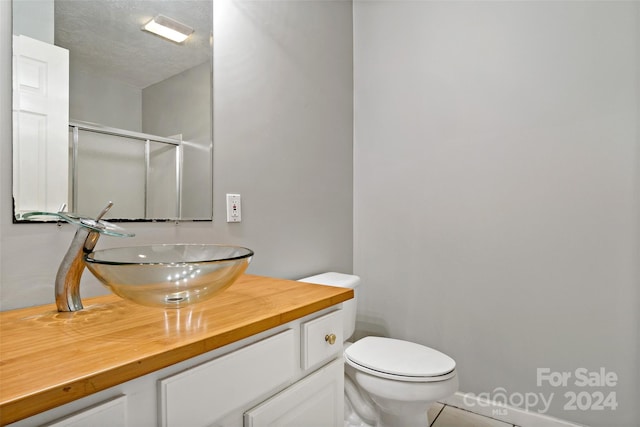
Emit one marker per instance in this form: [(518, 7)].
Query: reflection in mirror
[(106, 111)]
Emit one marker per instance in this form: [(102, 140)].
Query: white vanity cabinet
[(293, 378), (291, 375)]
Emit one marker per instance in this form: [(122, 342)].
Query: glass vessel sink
[(169, 276)]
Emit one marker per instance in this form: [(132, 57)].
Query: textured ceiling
[(105, 36)]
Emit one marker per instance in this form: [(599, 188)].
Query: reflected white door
[(40, 125)]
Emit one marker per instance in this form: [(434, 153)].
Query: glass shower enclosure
[(140, 173)]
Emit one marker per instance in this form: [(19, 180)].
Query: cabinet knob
[(330, 338)]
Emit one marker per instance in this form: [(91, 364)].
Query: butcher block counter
[(48, 358)]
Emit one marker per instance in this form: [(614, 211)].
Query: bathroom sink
[(171, 275)]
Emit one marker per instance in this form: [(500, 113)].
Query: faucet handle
[(104, 211)]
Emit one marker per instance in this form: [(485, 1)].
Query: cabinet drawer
[(112, 413), (317, 337), (203, 394)]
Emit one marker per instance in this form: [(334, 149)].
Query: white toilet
[(388, 382)]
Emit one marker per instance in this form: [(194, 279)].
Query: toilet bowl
[(403, 378), (389, 382)]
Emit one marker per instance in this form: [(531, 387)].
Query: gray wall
[(283, 109), (35, 19), (283, 132), (96, 98), (496, 189), (182, 105)]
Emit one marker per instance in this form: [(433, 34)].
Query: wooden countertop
[(48, 358)]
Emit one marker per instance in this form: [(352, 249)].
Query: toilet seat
[(399, 360)]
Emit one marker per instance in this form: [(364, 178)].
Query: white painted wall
[(496, 162), (283, 135)]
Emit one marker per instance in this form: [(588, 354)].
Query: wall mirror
[(104, 110)]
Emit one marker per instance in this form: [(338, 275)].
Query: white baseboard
[(509, 414)]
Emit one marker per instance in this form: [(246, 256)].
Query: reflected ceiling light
[(168, 28)]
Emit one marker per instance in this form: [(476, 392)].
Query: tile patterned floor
[(450, 416)]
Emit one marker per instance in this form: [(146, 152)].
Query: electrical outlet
[(234, 211)]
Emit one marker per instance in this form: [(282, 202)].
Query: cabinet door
[(202, 395), (112, 413), (314, 401)]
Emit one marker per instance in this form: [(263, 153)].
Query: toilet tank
[(349, 307)]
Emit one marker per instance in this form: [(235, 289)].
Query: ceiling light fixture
[(168, 28)]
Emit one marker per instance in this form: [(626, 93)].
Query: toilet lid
[(398, 357)]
